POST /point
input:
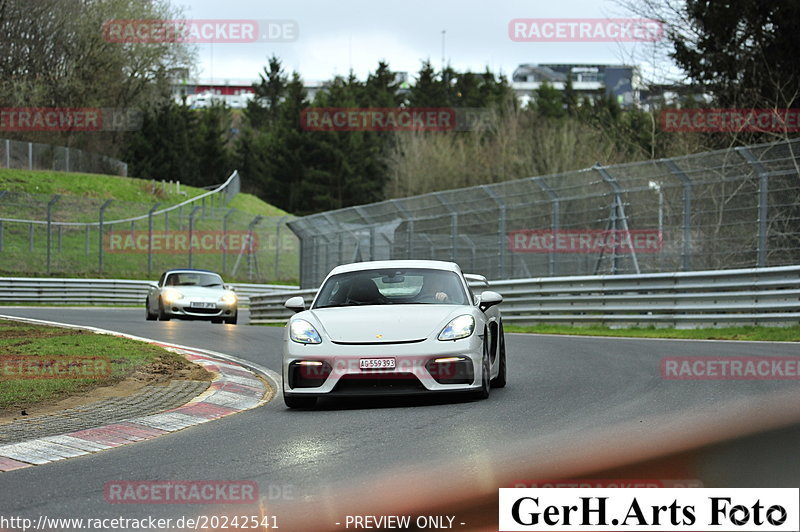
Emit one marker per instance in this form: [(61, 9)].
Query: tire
[(483, 392), (500, 380), (149, 316), (293, 401), (162, 314), (233, 319)]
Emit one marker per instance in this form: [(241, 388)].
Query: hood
[(385, 323)]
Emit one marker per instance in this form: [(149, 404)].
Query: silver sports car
[(191, 294), (394, 327)]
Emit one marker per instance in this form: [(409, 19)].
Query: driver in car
[(435, 289)]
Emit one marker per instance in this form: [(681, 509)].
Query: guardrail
[(753, 296), (98, 291), (269, 308)]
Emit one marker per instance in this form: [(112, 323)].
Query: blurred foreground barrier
[(752, 296), (26, 290), (740, 443)]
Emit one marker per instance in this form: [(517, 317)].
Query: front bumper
[(183, 309), (415, 372)]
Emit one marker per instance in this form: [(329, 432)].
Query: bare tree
[(54, 54)]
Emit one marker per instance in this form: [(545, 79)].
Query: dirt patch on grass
[(164, 369)]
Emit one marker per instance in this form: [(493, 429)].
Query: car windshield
[(392, 287), (208, 280)]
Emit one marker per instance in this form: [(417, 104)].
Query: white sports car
[(191, 294), (394, 327)]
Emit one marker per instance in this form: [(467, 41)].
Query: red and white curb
[(234, 389)]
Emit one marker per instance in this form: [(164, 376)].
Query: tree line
[(305, 171), (292, 167)]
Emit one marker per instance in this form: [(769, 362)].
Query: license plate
[(202, 304), (376, 363)]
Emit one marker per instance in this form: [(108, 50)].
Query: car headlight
[(460, 327), (228, 299), (170, 296), (303, 332)]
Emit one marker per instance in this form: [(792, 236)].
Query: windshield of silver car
[(207, 280), (392, 287)]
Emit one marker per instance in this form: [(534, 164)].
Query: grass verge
[(59, 362), (253, 205), (773, 334)]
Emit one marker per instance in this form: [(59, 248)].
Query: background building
[(623, 82)]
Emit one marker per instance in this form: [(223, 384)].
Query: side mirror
[(296, 303), (490, 299), (477, 279)]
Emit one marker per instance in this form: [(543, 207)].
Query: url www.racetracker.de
[(202, 522)]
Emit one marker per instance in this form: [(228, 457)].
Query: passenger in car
[(366, 293)]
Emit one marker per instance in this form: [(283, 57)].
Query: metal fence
[(733, 208), (71, 235), (33, 156), (755, 296)]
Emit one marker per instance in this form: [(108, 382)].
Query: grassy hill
[(127, 189), (74, 250), (89, 186)]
